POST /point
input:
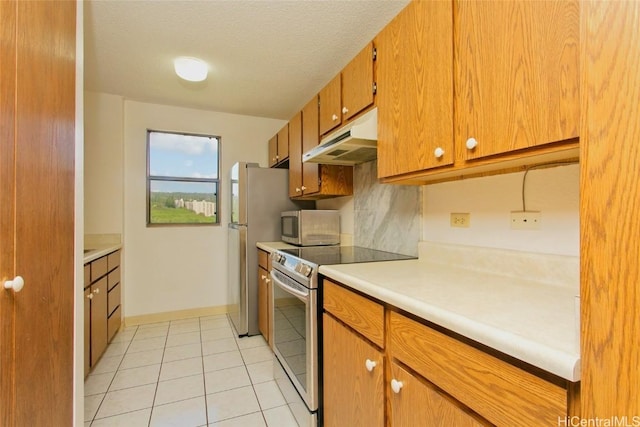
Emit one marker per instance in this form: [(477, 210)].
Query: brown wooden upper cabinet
[(330, 105), (468, 88), (273, 151), (295, 155), (279, 147), (311, 180), (357, 83), (415, 89), (516, 79), (348, 93)]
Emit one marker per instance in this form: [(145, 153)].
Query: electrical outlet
[(525, 220), (460, 220)]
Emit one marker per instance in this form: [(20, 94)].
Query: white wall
[(179, 268), (103, 157), (489, 200)]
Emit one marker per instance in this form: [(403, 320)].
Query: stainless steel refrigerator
[(258, 196)]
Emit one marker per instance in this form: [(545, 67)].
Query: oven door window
[(290, 333)]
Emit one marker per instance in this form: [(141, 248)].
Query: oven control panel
[(303, 269)]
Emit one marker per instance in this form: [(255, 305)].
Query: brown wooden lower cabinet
[(263, 303), (433, 377), (99, 336), (102, 306), (353, 394), (418, 403)]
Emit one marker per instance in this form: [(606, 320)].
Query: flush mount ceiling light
[(191, 69)]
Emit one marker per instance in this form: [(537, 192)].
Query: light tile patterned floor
[(186, 373)]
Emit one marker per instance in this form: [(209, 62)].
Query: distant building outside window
[(183, 179)]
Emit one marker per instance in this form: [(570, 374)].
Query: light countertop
[(524, 305), (99, 250), (274, 246)]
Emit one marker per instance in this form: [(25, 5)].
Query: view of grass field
[(166, 215)]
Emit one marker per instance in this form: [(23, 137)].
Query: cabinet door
[(330, 105), (353, 395), (417, 403), (99, 317), (283, 143), (37, 151), (516, 79), (263, 303), (87, 330), (415, 90), (295, 155), (273, 151), (310, 139), (357, 83)]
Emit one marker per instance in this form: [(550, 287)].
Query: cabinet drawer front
[(114, 299), (263, 259), (87, 275), (113, 324), (114, 278), (497, 390), (98, 268), (362, 314), (113, 260)]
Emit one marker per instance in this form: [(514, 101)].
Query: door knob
[(396, 385), (16, 284), (370, 364)]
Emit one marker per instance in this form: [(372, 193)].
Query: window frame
[(150, 178)]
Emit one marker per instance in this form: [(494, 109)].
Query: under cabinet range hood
[(350, 145)]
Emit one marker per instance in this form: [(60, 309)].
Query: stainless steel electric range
[(297, 312)]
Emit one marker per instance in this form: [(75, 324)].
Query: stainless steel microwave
[(310, 227)]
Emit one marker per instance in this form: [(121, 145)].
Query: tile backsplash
[(386, 217)]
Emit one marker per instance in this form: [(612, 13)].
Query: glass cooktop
[(329, 255)]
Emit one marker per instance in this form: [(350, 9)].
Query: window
[(182, 178)]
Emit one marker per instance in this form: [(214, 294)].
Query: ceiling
[(266, 58)]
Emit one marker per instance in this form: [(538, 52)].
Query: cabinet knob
[(303, 188), (96, 291), (90, 296), (396, 385), (370, 364), (334, 117), (438, 152), (263, 277), (267, 281), (345, 110), (471, 143), (16, 284), (297, 189)]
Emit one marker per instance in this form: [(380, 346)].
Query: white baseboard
[(175, 315)]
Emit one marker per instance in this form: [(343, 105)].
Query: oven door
[(295, 334)]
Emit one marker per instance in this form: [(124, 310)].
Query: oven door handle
[(301, 295)]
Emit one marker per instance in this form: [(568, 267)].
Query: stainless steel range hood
[(350, 145)]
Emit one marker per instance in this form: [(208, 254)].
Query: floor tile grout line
[(111, 382), (155, 393), (204, 377)]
